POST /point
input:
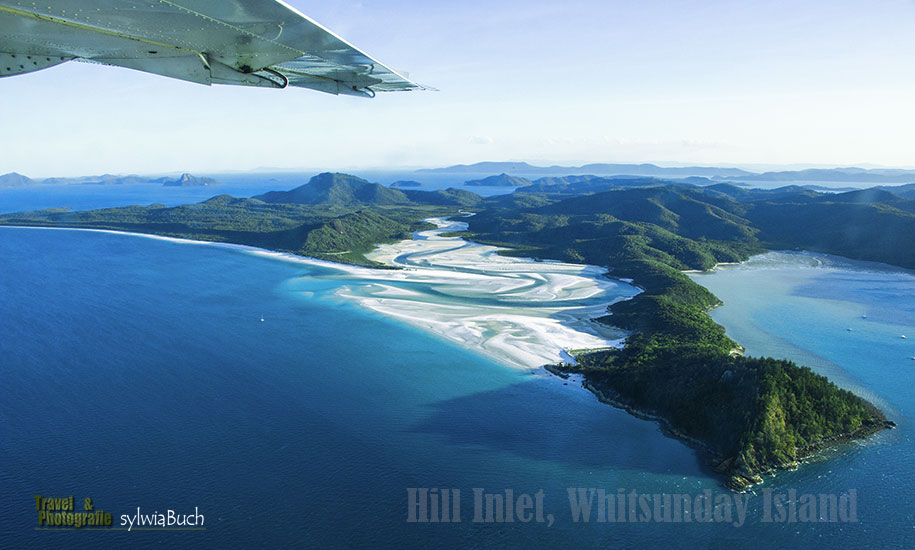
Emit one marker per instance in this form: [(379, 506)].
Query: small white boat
[(262, 319), (903, 337), (864, 316), (848, 329)]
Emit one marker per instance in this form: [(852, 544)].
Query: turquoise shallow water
[(843, 318), (137, 372)]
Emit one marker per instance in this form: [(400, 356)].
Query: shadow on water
[(545, 421)]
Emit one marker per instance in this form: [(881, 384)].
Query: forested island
[(184, 180), (678, 366)]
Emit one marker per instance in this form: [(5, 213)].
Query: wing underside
[(241, 42)]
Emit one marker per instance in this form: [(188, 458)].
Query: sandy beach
[(520, 312)]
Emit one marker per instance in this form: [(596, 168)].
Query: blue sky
[(698, 82)]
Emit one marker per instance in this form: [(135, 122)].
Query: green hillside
[(751, 415), (335, 217), (502, 180), (337, 190)]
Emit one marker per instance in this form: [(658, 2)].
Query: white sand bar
[(519, 311)]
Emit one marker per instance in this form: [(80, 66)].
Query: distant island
[(600, 169), (15, 180), (184, 180), (405, 183), (678, 367), (502, 180), (855, 175)]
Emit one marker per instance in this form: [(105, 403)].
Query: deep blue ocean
[(138, 373)]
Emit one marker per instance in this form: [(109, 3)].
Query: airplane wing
[(242, 42)]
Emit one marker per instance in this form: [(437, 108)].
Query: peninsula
[(678, 366)]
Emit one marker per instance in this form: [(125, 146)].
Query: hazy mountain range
[(184, 180), (577, 185), (523, 169), (528, 170), (530, 177)]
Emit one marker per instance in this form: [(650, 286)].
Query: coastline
[(736, 476), (529, 313), (714, 267), (385, 291), (286, 256), (517, 311)]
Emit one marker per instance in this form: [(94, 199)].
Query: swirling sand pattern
[(522, 312)]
